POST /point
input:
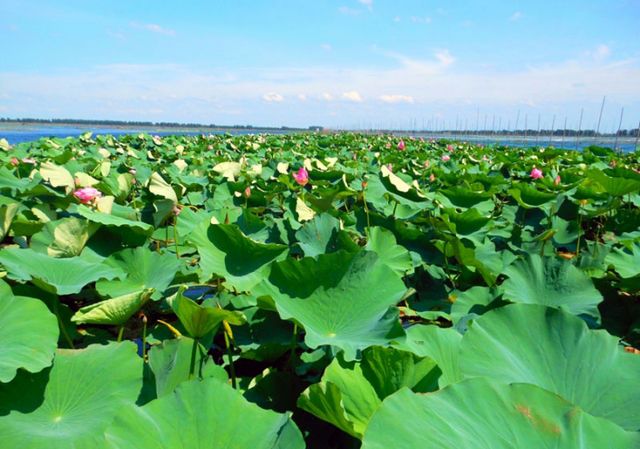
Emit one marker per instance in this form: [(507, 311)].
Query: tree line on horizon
[(67, 121), (634, 132)]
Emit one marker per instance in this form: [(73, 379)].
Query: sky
[(344, 64)]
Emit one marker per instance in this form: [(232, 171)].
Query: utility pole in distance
[(579, 127), (599, 119), (615, 142)]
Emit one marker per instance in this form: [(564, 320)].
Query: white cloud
[(601, 52), (445, 57), (272, 97), (516, 16), (352, 95), (367, 3), (167, 92), (326, 47), (397, 19), (153, 27), (326, 96), (395, 98), (422, 20), (302, 97)]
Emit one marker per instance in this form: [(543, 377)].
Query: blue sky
[(350, 63)]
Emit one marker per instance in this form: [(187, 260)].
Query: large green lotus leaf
[(389, 369), (158, 186), (350, 392), (115, 311), (7, 214), (482, 414), (383, 243), (264, 337), (170, 363), (316, 236), (555, 350), (565, 232), (57, 176), (206, 414), (475, 300), (463, 197), (9, 181), (341, 299), (614, 185), (144, 269), (83, 391), (114, 220), (198, 319), (28, 334), (468, 255), (440, 344), (529, 197), (61, 276), (466, 223), (553, 282), (225, 251), (228, 170), (387, 199), (63, 238), (343, 398), (626, 263)]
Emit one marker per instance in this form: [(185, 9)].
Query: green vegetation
[(301, 290)]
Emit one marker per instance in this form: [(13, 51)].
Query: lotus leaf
[(205, 414), (556, 351), (481, 414)]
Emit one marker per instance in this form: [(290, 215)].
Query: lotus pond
[(321, 291)]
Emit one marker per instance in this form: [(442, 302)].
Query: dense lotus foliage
[(321, 291)]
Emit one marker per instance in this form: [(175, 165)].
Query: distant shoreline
[(148, 127), (15, 125)]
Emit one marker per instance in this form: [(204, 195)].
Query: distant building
[(316, 128)]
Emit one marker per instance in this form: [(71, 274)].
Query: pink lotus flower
[(302, 176), (536, 173), (432, 177), (427, 164), (450, 148), (87, 194), (446, 158), (557, 181), (176, 210), (401, 145), (247, 192), (14, 161)]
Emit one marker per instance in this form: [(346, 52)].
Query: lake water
[(29, 133), (16, 135)]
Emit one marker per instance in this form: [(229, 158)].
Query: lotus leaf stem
[(192, 365), (232, 368)]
